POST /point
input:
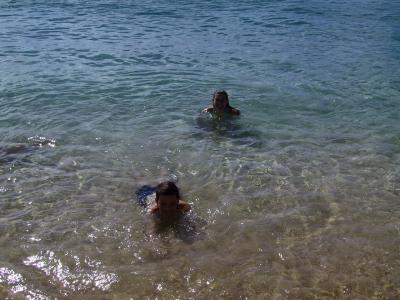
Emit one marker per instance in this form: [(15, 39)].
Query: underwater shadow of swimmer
[(189, 229), (227, 127)]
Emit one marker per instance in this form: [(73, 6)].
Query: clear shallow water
[(300, 195)]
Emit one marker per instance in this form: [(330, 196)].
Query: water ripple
[(99, 97), (85, 273)]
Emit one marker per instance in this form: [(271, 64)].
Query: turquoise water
[(299, 197)]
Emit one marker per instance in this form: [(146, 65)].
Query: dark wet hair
[(167, 188), (222, 92)]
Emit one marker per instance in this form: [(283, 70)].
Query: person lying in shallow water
[(167, 213), (167, 205), (220, 104)]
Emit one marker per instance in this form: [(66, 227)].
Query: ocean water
[(298, 198)]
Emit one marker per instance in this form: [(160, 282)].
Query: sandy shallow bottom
[(266, 226)]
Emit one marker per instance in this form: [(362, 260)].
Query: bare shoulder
[(152, 209), (235, 111), (209, 109), (184, 206)]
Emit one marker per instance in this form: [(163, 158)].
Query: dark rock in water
[(13, 149), (34, 141), (11, 153)]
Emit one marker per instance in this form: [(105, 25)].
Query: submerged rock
[(13, 149)]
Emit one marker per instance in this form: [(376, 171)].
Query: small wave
[(84, 274), (16, 284), (296, 23), (98, 57), (41, 141)]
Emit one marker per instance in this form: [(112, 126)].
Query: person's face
[(220, 102), (168, 205)]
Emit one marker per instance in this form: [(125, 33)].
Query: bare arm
[(234, 111), (184, 206)]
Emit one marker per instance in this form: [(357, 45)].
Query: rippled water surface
[(298, 198)]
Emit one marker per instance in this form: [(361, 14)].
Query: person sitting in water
[(167, 205), (220, 104)]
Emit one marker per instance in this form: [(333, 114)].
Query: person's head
[(221, 100), (167, 199)]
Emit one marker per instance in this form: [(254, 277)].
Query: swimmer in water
[(167, 205), (170, 214), (220, 104)]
